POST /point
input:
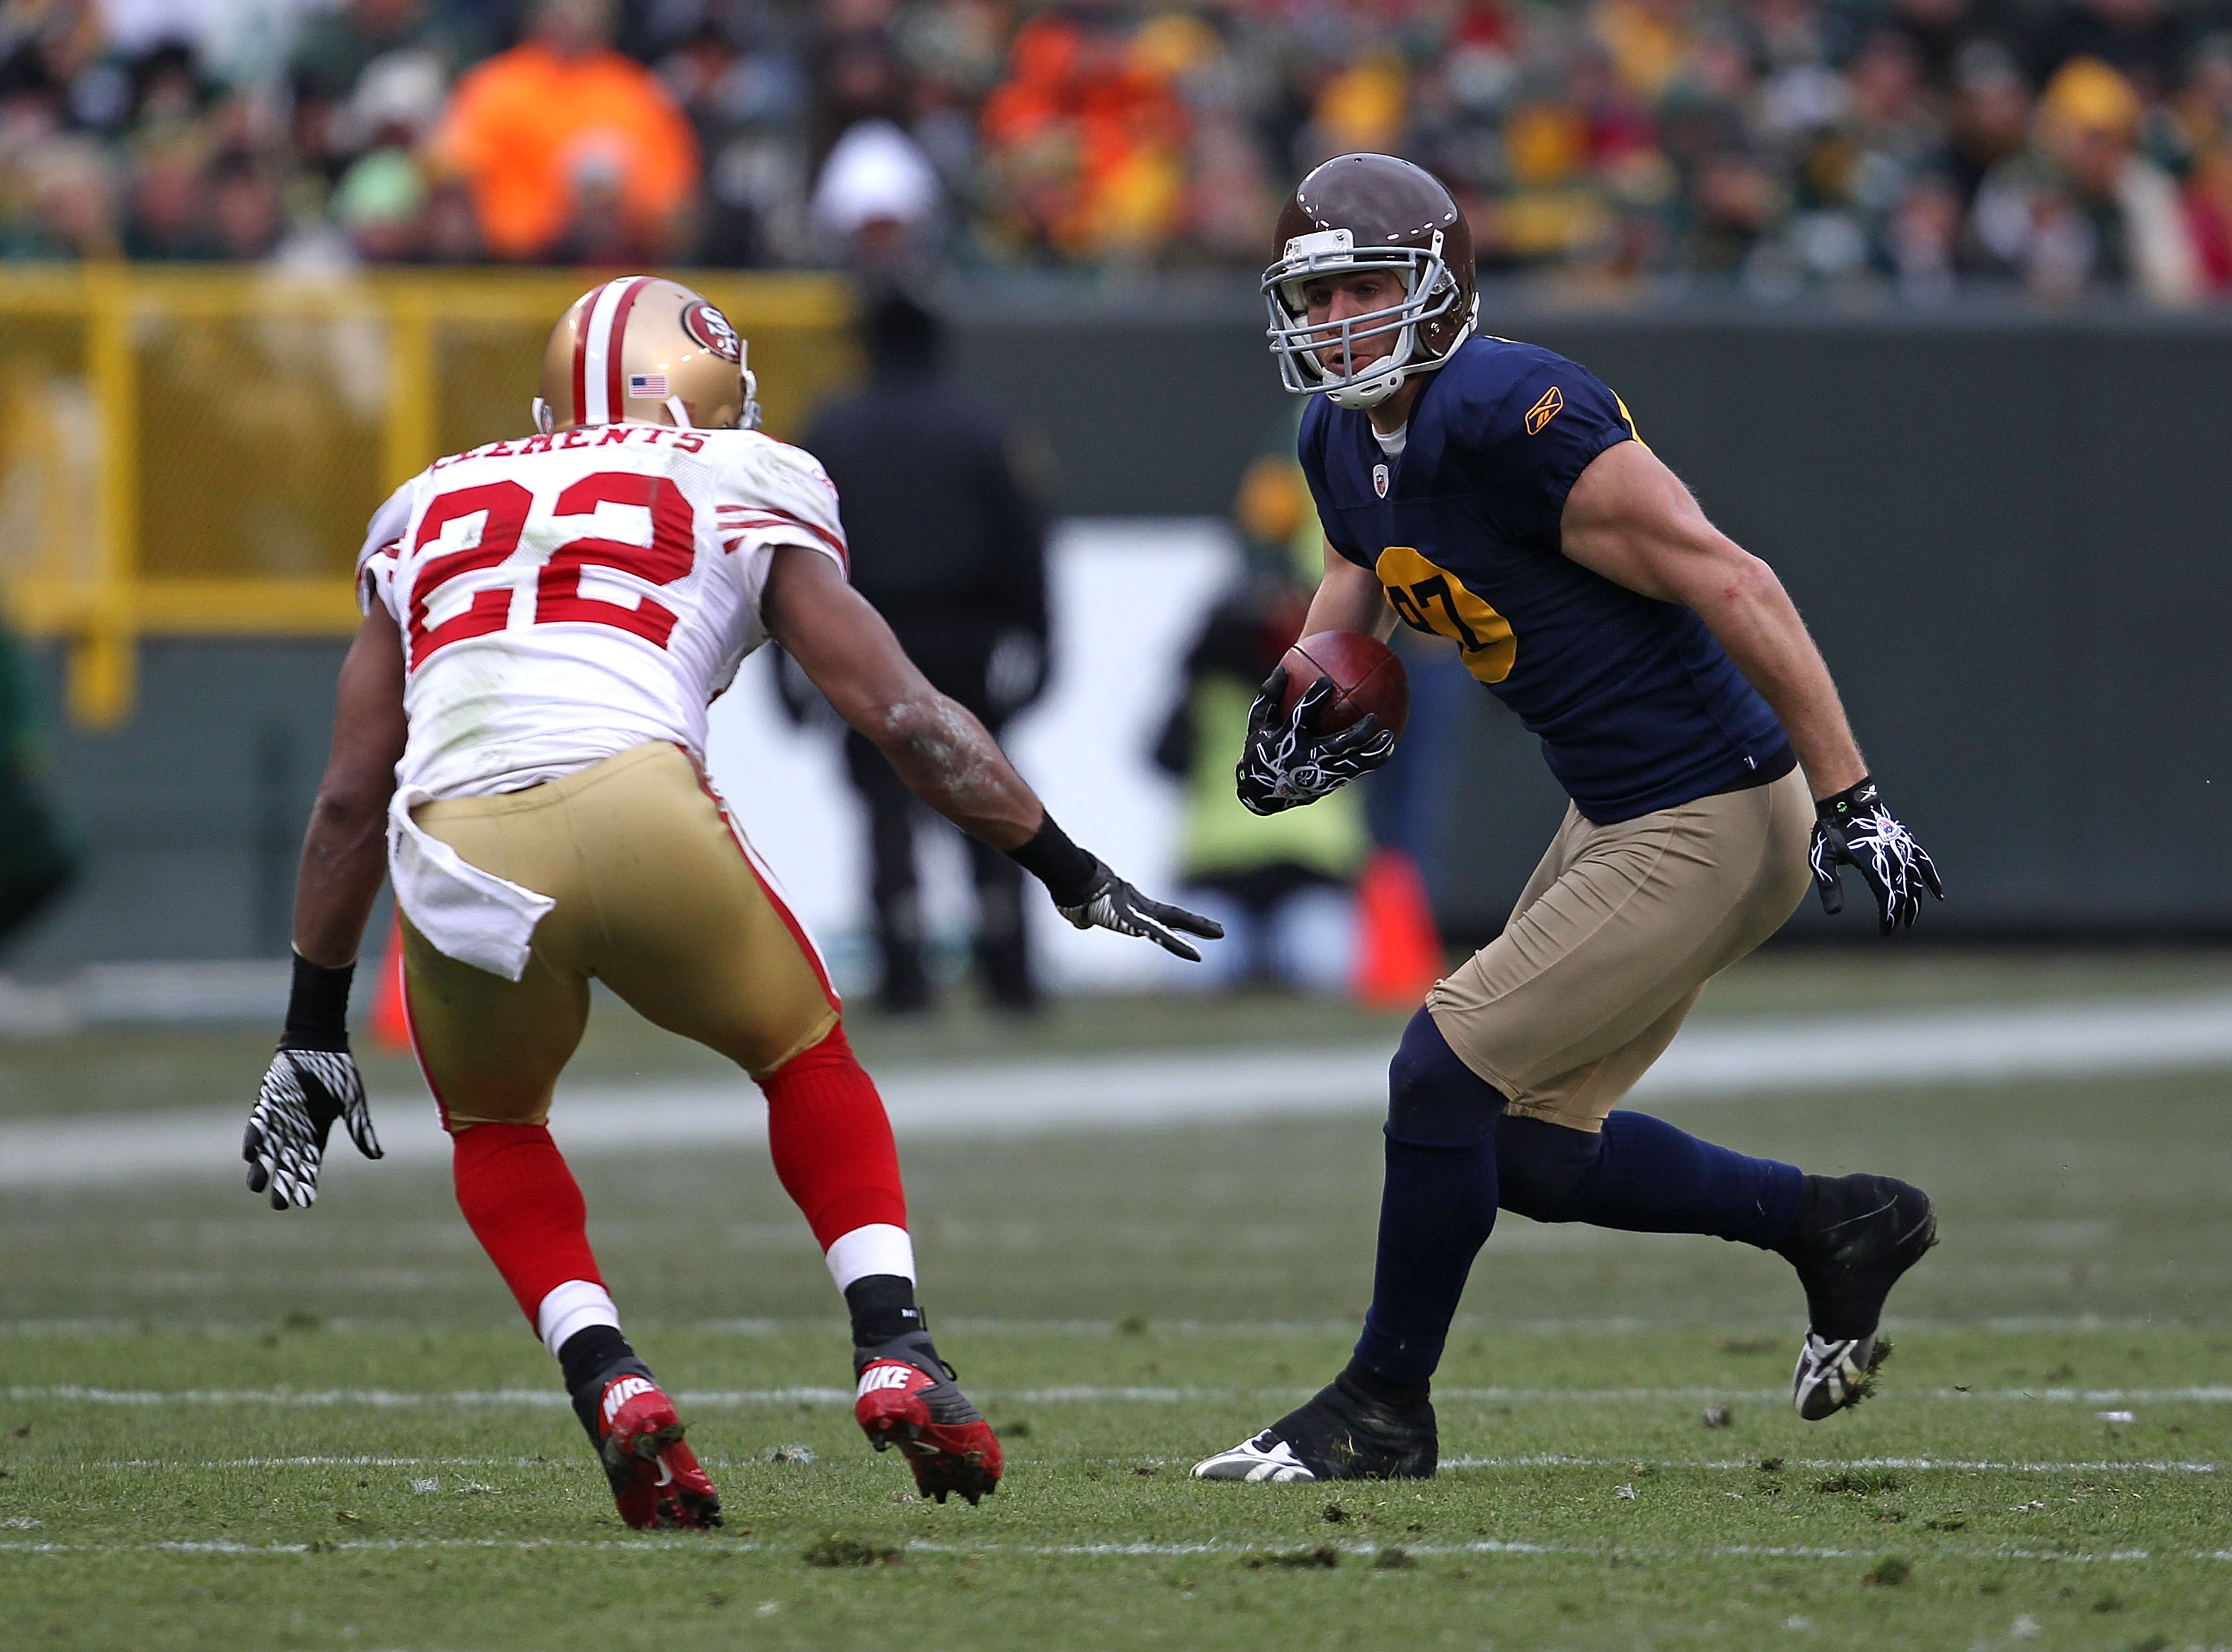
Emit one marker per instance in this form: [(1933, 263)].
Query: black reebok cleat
[(1854, 1237), (1341, 1433)]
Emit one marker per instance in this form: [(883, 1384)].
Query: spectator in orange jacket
[(559, 128)]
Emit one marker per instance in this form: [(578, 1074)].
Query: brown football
[(1366, 677)]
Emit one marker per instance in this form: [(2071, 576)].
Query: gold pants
[(657, 896), (1616, 933)]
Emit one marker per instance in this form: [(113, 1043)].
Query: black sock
[(585, 1359), (1436, 1209), (1648, 1176), (883, 1308)]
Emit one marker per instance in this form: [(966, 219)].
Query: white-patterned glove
[(1286, 763), (1854, 829), (1111, 904), (304, 1091)]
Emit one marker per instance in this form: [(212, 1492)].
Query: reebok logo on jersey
[(1553, 404), (878, 1377), (622, 1391)]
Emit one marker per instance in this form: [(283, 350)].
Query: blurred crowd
[(2062, 146)]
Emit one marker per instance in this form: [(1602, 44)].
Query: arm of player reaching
[(1631, 519), (944, 755), (313, 1080)]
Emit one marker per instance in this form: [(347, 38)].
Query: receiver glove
[(1286, 763), (1854, 829)]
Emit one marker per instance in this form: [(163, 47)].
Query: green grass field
[(222, 1426)]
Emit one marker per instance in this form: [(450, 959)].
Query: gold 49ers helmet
[(1359, 213), (651, 351)]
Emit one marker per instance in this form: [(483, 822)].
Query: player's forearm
[(949, 761), (1759, 626), (1349, 599), (344, 857), (344, 854)]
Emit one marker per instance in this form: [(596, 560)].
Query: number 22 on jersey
[(506, 510), (1432, 599)]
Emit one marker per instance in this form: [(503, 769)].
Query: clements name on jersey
[(582, 437), (564, 598)]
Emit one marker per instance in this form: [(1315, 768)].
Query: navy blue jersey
[(1636, 705)]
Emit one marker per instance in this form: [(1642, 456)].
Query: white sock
[(878, 1247), (575, 1306)]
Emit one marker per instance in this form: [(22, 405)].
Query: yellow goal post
[(194, 452)]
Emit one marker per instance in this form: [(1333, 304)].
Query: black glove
[(1111, 904), (1286, 761), (1092, 897), (1854, 829), (311, 1082)]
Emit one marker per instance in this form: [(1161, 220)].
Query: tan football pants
[(1615, 934), (656, 895)]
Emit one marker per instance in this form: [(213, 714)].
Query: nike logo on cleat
[(878, 1377), (622, 1391)]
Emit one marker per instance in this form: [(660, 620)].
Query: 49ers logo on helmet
[(712, 329)]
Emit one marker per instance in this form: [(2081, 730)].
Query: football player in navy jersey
[(1497, 495)]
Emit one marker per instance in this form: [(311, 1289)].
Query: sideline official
[(950, 547)]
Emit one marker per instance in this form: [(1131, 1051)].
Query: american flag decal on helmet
[(648, 385)]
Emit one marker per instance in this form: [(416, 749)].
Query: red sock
[(831, 1142), (525, 1207)]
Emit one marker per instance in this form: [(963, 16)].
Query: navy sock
[(1437, 1207), (1646, 1176)]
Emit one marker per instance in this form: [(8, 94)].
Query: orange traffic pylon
[(1398, 952), (389, 1024)]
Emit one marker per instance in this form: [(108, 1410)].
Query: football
[(1366, 676)]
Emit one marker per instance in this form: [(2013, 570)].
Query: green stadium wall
[(2009, 532)]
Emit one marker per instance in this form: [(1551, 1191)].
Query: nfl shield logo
[(1379, 479)]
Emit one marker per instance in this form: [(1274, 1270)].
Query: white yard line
[(1713, 1059), (1751, 1465), (1539, 1460), (741, 1399), (696, 1544)]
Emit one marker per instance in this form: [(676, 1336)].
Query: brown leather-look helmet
[(643, 349), (1370, 212)]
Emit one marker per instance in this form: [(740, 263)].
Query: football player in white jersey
[(520, 724)]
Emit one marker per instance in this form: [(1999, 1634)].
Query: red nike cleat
[(656, 1479), (907, 1398)]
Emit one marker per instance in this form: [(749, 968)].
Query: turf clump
[(1858, 1482), (1324, 1556), (838, 1550)]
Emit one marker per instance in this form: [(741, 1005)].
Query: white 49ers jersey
[(564, 598)]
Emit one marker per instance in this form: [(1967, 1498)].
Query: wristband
[(317, 1006), (1859, 798), (1067, 871)]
